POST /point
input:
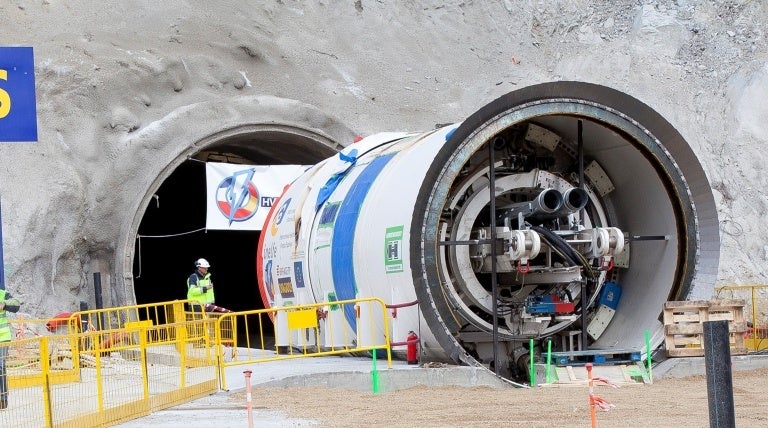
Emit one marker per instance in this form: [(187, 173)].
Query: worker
[(199, 284), (200, 287), (7, 304)]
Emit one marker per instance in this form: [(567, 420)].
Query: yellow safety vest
[(195, 291), (5, 328)]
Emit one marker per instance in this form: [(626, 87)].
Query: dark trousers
[(3, 375), (194, 307)]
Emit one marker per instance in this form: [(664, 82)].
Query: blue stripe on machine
[(344, 233)]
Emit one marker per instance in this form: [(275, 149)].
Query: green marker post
[(648, 355), (533, 365), (375, 374), (548, 375)]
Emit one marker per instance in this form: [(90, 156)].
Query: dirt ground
[(668, 402)]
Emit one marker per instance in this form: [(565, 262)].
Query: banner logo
[(237, 197)]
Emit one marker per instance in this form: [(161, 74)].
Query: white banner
[(240, 196)]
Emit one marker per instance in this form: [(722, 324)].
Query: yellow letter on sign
[(5, 99)]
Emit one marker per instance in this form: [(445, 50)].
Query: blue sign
[(298, 273), (2, 266), (18, 112)]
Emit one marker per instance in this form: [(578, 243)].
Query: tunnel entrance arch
[(252, 130), (172, 233)]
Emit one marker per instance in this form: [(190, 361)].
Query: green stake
[(549, 359), (375, 374), (648, 354), (533, 367)]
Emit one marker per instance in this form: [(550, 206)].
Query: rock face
[(125, 91)]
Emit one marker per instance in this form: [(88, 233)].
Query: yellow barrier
[(101, 367), (755, 312), (176, 311), (24, 354), (146, 358), (307, 330)]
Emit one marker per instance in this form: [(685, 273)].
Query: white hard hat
[(202, 263)]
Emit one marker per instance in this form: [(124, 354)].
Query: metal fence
[(101, 367), (303, 331), (98, 368), (755, 312)]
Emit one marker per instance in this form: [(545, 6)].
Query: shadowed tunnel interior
[(172, 234), (166, 252)]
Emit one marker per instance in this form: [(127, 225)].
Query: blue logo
[(281, 211), (18, 111), (278, 218), (237, 197)]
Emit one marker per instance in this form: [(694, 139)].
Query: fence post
[(143, 353), (99, 374), (45, 367), (219, 350)]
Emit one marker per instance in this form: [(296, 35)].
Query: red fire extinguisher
[(411, 350)]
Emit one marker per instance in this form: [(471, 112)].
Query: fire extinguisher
[(411, 352)]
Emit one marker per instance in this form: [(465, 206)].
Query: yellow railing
[(302, 331), (100, 367), (114, 318), (97, 373), (755, 312)]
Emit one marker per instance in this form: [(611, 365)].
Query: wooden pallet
[(683, 325)]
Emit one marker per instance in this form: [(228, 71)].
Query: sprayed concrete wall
[(127, 92)]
